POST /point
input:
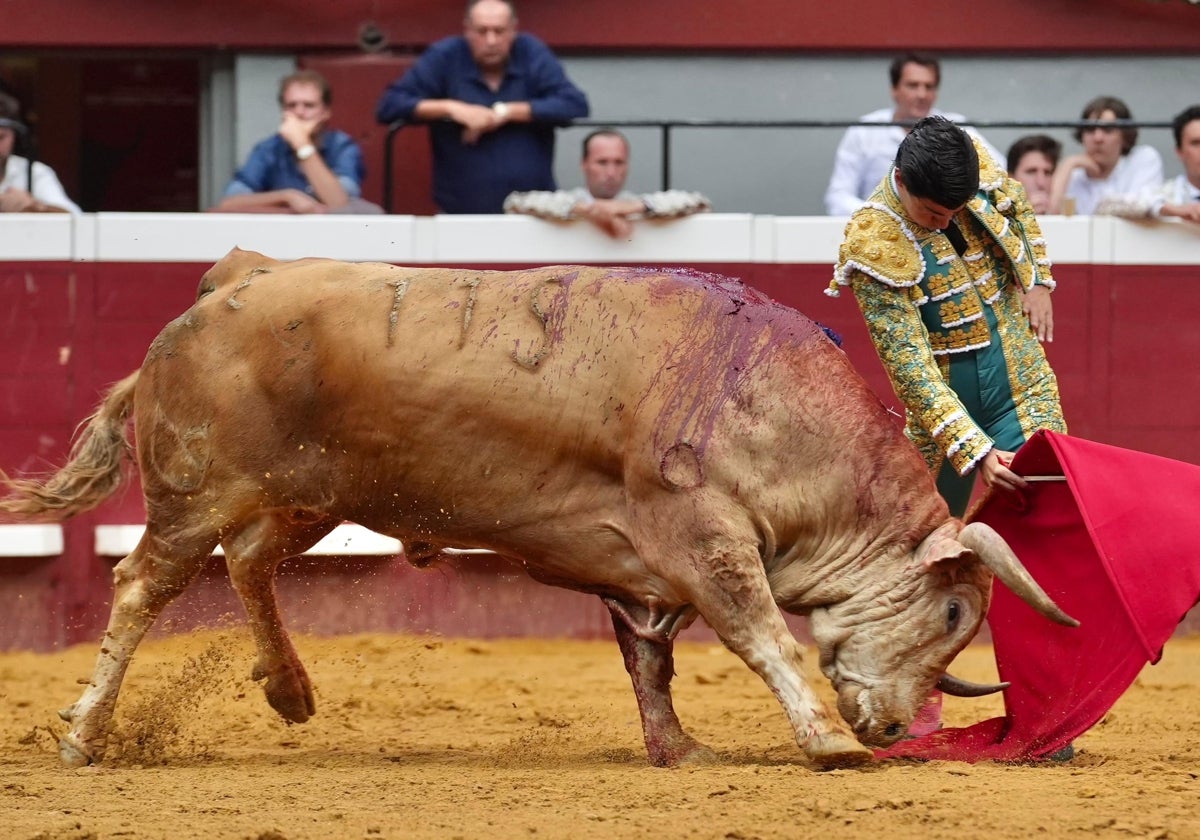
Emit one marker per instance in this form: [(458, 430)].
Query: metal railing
[(667, 128)]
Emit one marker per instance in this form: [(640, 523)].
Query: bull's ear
[(941, 547)]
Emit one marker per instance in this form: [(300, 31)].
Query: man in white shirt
[(1182, 193), (866, 153), (604, 201), (1111, 169), (17, 194), (1180, 196)]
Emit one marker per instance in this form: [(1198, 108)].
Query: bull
[(674, 443)]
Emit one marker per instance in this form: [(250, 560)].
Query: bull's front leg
[(730, 590), (651, 665)]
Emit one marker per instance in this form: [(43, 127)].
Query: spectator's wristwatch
[(501, 109), (306, 151)]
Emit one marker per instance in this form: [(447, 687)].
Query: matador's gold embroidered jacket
[(924, 304)]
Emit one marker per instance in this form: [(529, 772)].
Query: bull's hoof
[(290, 694), (71, 754), (699, 756), (833, 750), (682, 751)]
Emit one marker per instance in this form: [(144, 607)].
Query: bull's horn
[(961, 688), (994, 552)]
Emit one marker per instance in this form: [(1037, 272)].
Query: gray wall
[(784, 171)]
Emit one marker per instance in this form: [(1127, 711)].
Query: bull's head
[(885, 649)]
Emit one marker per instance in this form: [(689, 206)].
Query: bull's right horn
[(961, 688), (995, 553)]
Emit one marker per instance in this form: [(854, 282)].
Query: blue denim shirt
[(272, 165), (517, 156)]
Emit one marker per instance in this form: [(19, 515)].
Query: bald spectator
[(25, 186), (604, 201), (492, 97)]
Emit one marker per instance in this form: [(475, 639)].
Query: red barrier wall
[(1124, 351)]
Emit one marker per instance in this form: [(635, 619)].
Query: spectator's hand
[(1040, 311), (1081, 161), (997, 475), (13, 200), (476, 120), (298, 132), (1187, 212), (1039, 201), (612, 216), (301, 202)]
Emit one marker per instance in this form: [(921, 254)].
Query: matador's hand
[(1040, 310)]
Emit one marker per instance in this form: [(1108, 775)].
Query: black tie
[(956, 238)]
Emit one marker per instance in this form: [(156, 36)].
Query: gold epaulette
[(992, 174), (879, 244)]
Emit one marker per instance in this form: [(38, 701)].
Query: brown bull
[(675, 444)]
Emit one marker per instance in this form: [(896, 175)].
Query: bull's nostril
[(893, 731)]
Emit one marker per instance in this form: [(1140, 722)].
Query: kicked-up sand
[(446, 738)]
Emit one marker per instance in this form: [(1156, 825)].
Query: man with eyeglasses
[(492, 98), (305, 167)]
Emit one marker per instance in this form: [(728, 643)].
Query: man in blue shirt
[(492, 98), (304, 167)]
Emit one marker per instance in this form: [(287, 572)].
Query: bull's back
[(442, 379)]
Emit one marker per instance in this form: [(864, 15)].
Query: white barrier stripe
[(39, 540), (345, 540)]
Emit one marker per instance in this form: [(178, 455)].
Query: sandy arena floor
[(433, 738)]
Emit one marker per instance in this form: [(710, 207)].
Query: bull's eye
[(953, 612)]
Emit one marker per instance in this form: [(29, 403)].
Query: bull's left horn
[(995, 553), (961, 688)]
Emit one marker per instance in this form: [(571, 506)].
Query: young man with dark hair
[(948, 265), (1112, 169), (1179, 197), (1032, 160)]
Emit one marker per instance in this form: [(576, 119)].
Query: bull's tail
[(93, 471)]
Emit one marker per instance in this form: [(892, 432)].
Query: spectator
[(1111, 166), (865, 153), (493, 97), (1031, 160), (604, 201), (25, 186), (305, 167), (1180, 196)]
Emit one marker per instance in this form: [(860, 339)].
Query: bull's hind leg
[(647, 651), (252, 555), (144, 582)]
